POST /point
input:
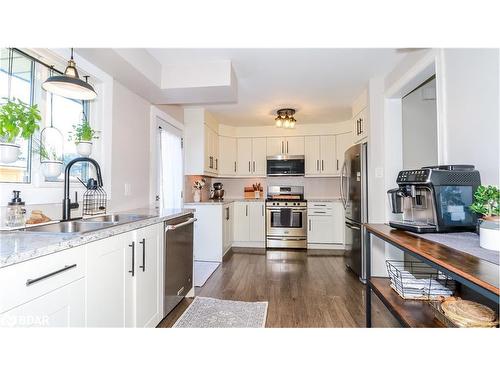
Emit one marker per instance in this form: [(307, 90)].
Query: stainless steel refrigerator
[(354, 195)]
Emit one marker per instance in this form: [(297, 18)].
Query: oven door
[(284, 221)]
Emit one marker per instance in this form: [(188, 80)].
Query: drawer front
[(33, 278), (321, 206)]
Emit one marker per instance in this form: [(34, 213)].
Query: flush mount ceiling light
[(69, 84), (285, 118)]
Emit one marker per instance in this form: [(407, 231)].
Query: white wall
[(130, 149), (472, 109)]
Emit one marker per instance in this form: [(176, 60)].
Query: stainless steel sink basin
[(117, 218), (68, 227)]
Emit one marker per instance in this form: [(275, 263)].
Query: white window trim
[(101, 114)]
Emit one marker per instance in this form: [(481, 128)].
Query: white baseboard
[(249, 244), (325, 246)]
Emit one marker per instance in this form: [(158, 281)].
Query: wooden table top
[(471, 268)]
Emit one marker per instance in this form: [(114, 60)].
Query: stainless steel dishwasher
[(178, 276)]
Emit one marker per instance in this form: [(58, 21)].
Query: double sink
[(89, 224)]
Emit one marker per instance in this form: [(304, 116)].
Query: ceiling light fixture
[(69, 84), (285, 118)]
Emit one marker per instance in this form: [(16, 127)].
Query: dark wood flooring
[(302, 291)]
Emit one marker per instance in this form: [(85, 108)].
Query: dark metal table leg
[(368, 291)]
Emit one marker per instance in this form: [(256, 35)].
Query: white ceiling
[(320, 83)]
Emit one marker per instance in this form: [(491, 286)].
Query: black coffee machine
[(435, 199)]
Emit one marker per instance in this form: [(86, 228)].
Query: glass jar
[(16, 212)]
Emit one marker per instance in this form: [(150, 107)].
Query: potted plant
[(50, 161), (17, 119), (487, 204), (197, 187), (83, 135)]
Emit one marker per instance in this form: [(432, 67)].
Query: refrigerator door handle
[(342, 197)]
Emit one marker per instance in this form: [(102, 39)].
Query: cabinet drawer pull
[(254, 166), (317, 165), (33, 281), (319, 212), (322, 165), (310, 225), (132, 271), (235, 166), (249, 168), (143, 243), (337, 164), (319, 205)]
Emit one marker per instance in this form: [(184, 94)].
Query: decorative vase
[(489, 233), (84, 148), (52, 168), (197, 195), (9, 152)]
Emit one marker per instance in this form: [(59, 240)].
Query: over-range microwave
[(285, 165)]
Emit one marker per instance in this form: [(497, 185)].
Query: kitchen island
[(475, 273)]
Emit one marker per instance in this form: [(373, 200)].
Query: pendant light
[(69, 84), (285, 119)]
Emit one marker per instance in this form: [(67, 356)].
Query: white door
[(228, 226), (147, 302), (275, 146), (214, 150), (244, 167), (320, 229), (328, 163), (241, 222), (170, 168), (207, 151), (257, 221), (106, 273), (338, 223), (259, 162), (63, 307), (227, 156), (342, 143), (312, 155), (294, 145)]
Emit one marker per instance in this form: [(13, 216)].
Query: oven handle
[(293, 209), (287, 238)]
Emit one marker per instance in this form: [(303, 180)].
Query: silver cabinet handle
[(246, 210), (143, 243), (254, 166), (249, 170), (235, 166), (216, 163), (337, 164), (132, 271), (287, 147), (310, 226), (317, 165), (262, 209), (322, 165), (282, 147), (184, 223), (38, 279)]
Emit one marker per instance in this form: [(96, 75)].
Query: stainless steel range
[(286, 217)]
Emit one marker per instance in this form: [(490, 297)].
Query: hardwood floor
[(302, 291)]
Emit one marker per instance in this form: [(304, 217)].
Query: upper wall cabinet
[(324, 155), (201, 142), (285, 145), (360, 117), (251, 157), (227, 156)]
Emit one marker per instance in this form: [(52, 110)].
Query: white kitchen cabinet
[(228, 226), (312, 155), (342, 143), (63, 307), (285, 145), (148, 245), (249, 223), (227, 156), (328, 164), (251, 157), (211, 151), (360, 126), (325, 227), (324, 154)]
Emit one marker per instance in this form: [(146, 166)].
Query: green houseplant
[(487, 204), (50, 160), (17, 119), (83, 135)]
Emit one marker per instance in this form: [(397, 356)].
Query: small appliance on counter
[(217, 193), (435, 199)]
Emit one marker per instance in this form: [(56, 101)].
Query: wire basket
[(94, 199), (417, 280)]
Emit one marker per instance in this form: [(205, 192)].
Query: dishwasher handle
[(184, 223)]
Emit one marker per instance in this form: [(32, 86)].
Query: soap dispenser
[(16, 211)]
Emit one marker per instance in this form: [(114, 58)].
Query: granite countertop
[(19, 246), (333, 199), (226, 201)]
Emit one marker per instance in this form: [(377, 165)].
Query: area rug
[(217, 313), (202, 271)]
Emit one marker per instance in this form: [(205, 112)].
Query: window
[(16, 82)]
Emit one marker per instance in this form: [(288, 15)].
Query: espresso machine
[(217, 193), (435, 199)]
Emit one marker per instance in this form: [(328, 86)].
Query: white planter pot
[(489, 235), (84, 148), (197, 196), (9, 153), (52, 168)]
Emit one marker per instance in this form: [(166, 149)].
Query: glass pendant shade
[(69, 84), (285, 118), (279, 121)]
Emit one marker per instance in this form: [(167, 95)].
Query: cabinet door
[(228, 226), (148, 254), (342, 143), (214, 150), (275, 146), (363, 116), (63, 307), (227, 156), (257, 221), (107, 262), (328, 162), (312, 155), (241, 223), (338, 223), (207, 149), (259, 156), (319, 229), (294, 145), (244, 165)]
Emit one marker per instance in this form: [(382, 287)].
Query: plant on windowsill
[(487, 204), (83, 135), (50, 161), (17, 119)]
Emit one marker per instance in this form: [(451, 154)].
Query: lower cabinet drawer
[(319, 212), (28, 280), (320, 205)]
